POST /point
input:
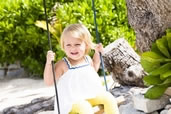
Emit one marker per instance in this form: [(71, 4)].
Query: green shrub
[(111, 18), (157, 63), (20, 39)]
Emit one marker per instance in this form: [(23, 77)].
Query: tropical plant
[(111, 18), (157, 63), (20, 39)]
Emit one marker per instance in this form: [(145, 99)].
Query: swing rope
[(50, 46), (98, 41)]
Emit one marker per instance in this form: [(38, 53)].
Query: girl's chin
[(74, 57)]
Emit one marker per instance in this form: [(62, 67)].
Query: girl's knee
[(108, 101), (82, 107)]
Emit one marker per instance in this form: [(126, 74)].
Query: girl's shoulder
[(60, 63), (61, 67)]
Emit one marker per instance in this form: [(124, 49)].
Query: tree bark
[(149, 19), (36, 105), (124, 63)]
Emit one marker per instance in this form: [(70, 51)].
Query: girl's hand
[(99, 48), (96, 58), (50, 57)]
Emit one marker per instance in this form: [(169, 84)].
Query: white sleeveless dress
[(78, 83)]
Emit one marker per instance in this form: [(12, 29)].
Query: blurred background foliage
[(23, 38)]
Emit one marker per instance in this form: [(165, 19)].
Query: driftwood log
[(123, 63), (36, 105), (149, 19)]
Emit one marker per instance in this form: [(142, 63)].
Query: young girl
[(76, 74)]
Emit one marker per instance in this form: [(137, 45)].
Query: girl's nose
[(73, 47)]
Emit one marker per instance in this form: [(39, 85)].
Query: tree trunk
[(36, 105), (124, 63), (149, 19)]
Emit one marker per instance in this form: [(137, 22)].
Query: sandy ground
[(22, 91)]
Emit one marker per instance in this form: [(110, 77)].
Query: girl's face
[(74, 48)]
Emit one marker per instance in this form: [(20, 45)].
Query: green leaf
[(155, 49), (152, 80), (148, 65), (153, 56), (163, 46), (169, 40), (165, 75), (167, 81), (162, 69), (156, 91), (151, 61)]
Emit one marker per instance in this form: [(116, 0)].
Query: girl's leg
[(109, 102), (82, 107)]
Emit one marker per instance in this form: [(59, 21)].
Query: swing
[(85, 106)]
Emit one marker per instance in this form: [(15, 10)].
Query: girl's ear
[(87, 46)]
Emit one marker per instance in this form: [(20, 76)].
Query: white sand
[(22, 91)]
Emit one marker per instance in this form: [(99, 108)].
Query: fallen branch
[(36, 105), (123, 63)]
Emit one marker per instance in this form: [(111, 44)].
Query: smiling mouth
[(74, 53)]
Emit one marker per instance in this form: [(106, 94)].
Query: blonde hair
[(78, 31)]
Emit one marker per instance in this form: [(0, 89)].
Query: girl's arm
[(96, 57), (48, 74)]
